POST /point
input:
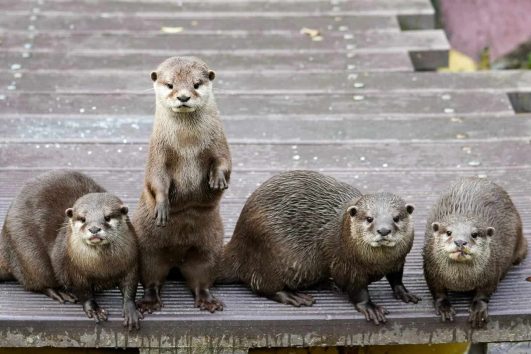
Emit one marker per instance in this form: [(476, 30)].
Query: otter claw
[(132, 316), (161, 214), (445, 309), (372, 312), (401, 293), (210, 304), (93, 310), (478, 314)]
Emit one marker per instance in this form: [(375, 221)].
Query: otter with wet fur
[(473, 236), (69, 257), (301, 228), (188, 168)]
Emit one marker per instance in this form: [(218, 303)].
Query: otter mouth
[(183, 109), (95, 240), (460, 255), (383, 243)]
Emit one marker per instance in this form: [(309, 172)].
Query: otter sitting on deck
[(69, 257), (301, 228), (473, 236)]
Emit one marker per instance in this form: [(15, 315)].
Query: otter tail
[(520, 251), (227, 273)]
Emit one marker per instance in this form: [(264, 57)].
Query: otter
[(301, 228), (68, 257), (189, 165), (473, 236)]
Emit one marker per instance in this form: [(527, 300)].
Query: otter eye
[(196, 85), (474, 234), (82, 219), (369, 219), (449, 233), (170, 86), (396, 219), (107, 218)]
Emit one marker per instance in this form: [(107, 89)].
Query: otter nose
[(183, 98), (94, 230), (460, 243), (383, 231)]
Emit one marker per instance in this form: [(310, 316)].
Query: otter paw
[(61, 295), (93, 310), (207, 302), (149, 305), (445, 309), (132, 315), (401, 293), (217, 181), (372, 312), (296, 299), (161, 213), (478, 314)]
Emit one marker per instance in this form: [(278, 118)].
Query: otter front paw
[(205, 301), (93, 310), (444, 308), (162, 210), (478, 314), (151, 301), (401, 293), (217, 180), (372, 312), (132, 315)]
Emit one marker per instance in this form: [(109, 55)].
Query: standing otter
[(473, 236), (300, 228), (177, 219), (69, 257)]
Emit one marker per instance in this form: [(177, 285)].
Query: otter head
[(381, 220), (183, 84), (461, 238), (97, 219)]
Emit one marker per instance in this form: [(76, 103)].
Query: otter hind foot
[(60, 295), (372, 312), (151, 301), (294, 298), (401, 293), (205, 301), (478, 314), (445, 309), (93, 310), (132, 315)]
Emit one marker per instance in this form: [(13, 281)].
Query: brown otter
[(300, 228), (473, 236), (69, 257), (177, 219)]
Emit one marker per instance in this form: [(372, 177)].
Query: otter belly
[(190, 175), (461, 278)]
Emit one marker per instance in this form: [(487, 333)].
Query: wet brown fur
[(38, 247), (187, 170), (295, 231)]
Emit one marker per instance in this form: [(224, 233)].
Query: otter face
[(382, 219), (460, 239), (183, 84), (97, 219)]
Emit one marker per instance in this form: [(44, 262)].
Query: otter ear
[(435, 226), (69, 212), (410, 208), (154, 76), (211, 75), (490, 231), (124, 209), (352, 211)]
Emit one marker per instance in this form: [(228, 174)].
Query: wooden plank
[(96, 23), (294, 130), (378, 104), (136, 82), (185, 42), (277, 157), (225, 62)]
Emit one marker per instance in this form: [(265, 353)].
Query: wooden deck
[(75, 93)]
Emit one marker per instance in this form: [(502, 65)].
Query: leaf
[(312, 33), (172, 29)]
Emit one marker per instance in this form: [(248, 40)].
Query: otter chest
[(190, 170)]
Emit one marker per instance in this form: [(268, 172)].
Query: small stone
[(358, 98), (11, 87), (482, 175), (317, 38), (15, 66), (461, 136), (337, 19), (28, 45), (467, 149), (296, 157), (449, 110), (385, 165), (89, 152), (456, 120), (352, 76), (362, 158), (31, 28), (474, 163), (17, 75), (359, 84), (82, 110), (351, 67), (25, 55), (93, 108), (446, 97), (348, 36), (2, 97), (343, 28), (350, 55)]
